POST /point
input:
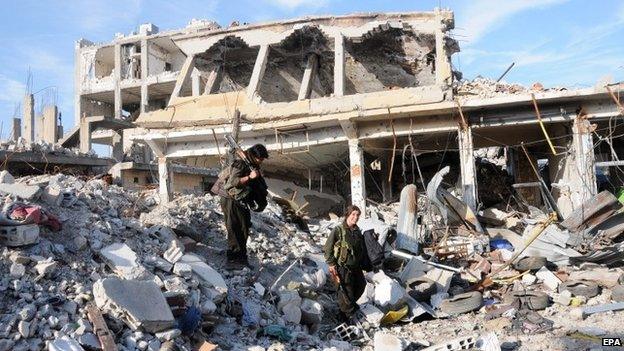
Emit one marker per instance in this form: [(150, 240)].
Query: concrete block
[(6, 178), (442, 279), (26, 192), (17, 270), (372, 314), (159, 263), (205, 273), (52, 196), (259, 289), (311, 312), (140, 304), (387, 342), (550, 280), (168, 334), (19, 235), (175, 252), (123, 261), (45, 267), (182, 269), (292, 313), (389, 294), (65, 343)]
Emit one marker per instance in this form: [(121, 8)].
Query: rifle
[(239, 151), (257, 201)]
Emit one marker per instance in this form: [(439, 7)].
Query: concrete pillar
[(308, 75), (50, 124), (85, 135), (117, 82), (258, 71), (358, 185), (339, 65), (467, 166), (117, 145), (165, 177), (185, 74), (442, 61), (386, 186), (214, 80), (29, 118), (583, 145), (38, 128), (144, 75), (17, 129), (195, 82)]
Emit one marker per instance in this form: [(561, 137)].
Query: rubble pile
[(489, 88), (21, 145), (88, 266)]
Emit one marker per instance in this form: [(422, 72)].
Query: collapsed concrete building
[(332, 96)]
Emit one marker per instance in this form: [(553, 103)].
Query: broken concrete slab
[(26, 192), (384, 341), (65, 343), (183, 269), (123, 261), (140, 304), (205, 273), (441, 278), (20, 235), (550, 280), (602, 276), (372, 314), (6, 178)]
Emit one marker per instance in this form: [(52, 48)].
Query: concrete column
[(17, 129), (308, 75), (38, 128), (185, 74), (214, 80), (386, 186), (85, 135), (50, 124), (144, 75), (358, 185), (165, 177), (195, 82), (583, 145), (29, 118), (258, 71), (117, 145), (339, 65), (117, 82), (77, 83), (442, 62), (467, 166)]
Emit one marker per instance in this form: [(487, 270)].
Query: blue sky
[(556, 42)]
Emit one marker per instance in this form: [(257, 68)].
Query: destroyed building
[(502, 233)]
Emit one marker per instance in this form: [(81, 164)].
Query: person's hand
[(333, 273), (254, 174)]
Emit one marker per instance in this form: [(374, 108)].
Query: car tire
[(532, 300), (580, 288), (462, 303), (530, 263), (420, 289)]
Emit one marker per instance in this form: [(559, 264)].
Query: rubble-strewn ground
[(45, 287)]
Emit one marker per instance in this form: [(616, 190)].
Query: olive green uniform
[(345, 249), (236, 212)]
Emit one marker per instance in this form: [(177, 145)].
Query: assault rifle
[(257, 197), (239, 151)]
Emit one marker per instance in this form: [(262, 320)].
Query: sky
[(573, 43)]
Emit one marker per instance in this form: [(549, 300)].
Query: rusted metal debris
[(100, 329)]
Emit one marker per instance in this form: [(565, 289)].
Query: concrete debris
[(123, 261), (141, 304), (387, 342), (550, 280), (65, 343), (205, 273), (14, 236), (22, 191)]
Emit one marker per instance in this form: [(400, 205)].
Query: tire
[(530, 263), (532, 300), (617, 293), (462, 303), (580, 288), (420, 289)]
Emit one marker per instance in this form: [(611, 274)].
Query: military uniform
[(236, 212), (345, 249)]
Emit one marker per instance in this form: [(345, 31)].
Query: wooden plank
[(100, 329)]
